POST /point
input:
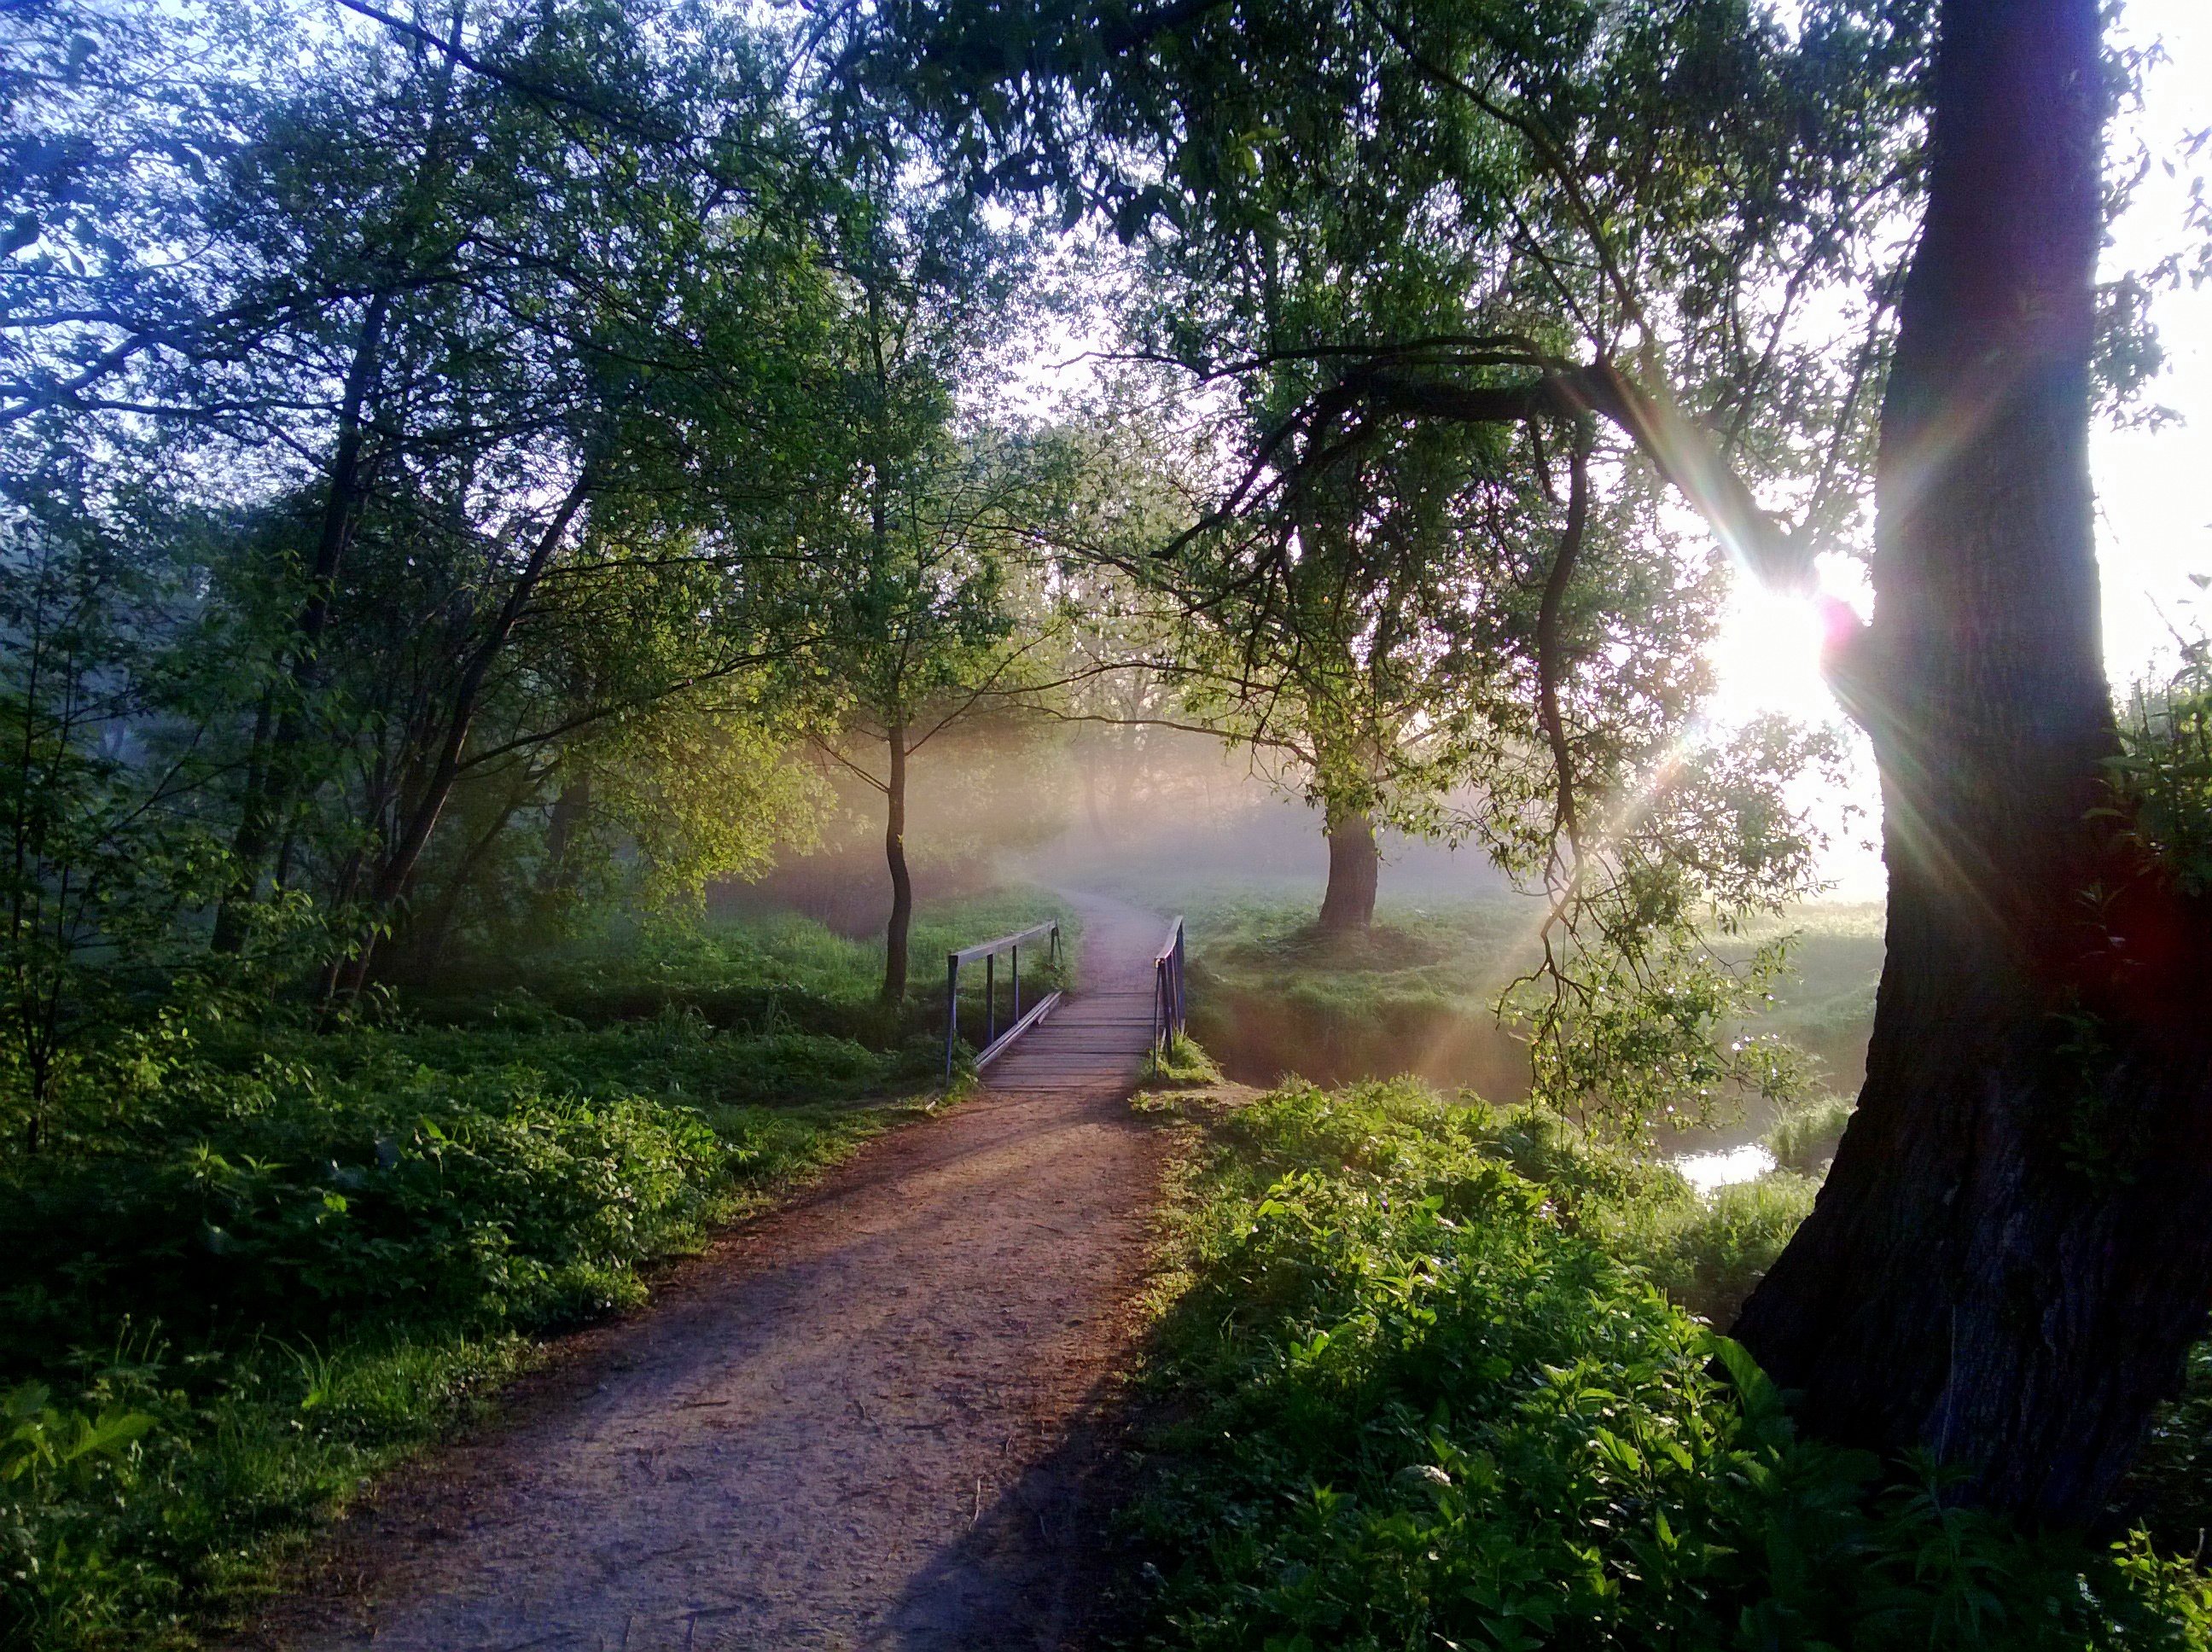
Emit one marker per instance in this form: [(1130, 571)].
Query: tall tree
[(2010, 1254), (911, 549), (504, 323), (921, 638)]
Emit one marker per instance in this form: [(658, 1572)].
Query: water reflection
[(1706, 1171)]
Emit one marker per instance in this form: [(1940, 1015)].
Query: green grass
[(1268, 996), (1181, 1063), (761, 974), (1804, 1137), (287, 1258), (1416, 1389)]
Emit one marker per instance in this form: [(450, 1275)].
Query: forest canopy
[(457, 463)]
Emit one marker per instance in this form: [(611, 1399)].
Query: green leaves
[(1547, 1455), (2162, 779), (41, 1444)]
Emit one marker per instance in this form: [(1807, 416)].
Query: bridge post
[(951, 1010)]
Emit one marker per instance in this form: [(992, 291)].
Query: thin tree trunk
[(271, 793), (271, 774), (422, 938), (1551, 649), (1354, 866), (421, 818), (2010, 1255), (897, 933), (571, 809)]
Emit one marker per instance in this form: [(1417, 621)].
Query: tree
[(1524, 240), (2009, 1256), (101, 860), (910, 551), (922, 637), (493, 344)]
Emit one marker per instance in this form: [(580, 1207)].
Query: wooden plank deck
[(1098, 1035)]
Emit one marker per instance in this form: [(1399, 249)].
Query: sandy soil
[(865, 1421)]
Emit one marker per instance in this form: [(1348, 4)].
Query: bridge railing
[(1167, 989), (988, 953)]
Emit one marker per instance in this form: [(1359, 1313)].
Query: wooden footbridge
[(1127, 1002)]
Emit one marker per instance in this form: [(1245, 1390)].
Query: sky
[(2153, 486)]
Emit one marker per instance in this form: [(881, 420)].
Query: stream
[(1721, 1167)]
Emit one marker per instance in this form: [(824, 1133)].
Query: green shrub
[(1418, 993), (2170, 1487), (1583, 1176), (1707, 1253), (293, 1208), (296, 1273), (1407, 1408), (1182, 1063)]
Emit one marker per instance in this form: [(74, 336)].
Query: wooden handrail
[(994, 1041), (1005, 943), (1168, 1003)]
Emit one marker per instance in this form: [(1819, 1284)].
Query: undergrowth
[(264, 1261), (1179, 1063), (1420, 1390)]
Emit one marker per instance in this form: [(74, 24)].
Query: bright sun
[(1768, 652)]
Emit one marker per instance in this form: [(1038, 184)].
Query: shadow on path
[(866, 1420)]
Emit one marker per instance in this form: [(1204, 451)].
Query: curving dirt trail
[(859, 1422)]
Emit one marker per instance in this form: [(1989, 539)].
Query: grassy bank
[(289, 1257), (1415, 1387), (1418, 993)]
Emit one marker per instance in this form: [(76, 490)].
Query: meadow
[(1418, 994)]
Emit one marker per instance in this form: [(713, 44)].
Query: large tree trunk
[(1348, 905), (896, 933), (2011, 1254)]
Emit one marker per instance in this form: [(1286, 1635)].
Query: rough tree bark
[(896, 932), (1347, 906), (2010, 1255)]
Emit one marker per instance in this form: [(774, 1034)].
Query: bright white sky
[(2155, 488)]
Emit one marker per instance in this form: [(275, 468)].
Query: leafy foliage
[(1804, 1136), (1420, 1396), (1441, 306), (2164, 772), (283, 1257), (105, 861), (1419, 994)]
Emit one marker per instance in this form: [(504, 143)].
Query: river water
[(1722, 1166)]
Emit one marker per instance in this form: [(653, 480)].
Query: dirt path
[(858, 1423)]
